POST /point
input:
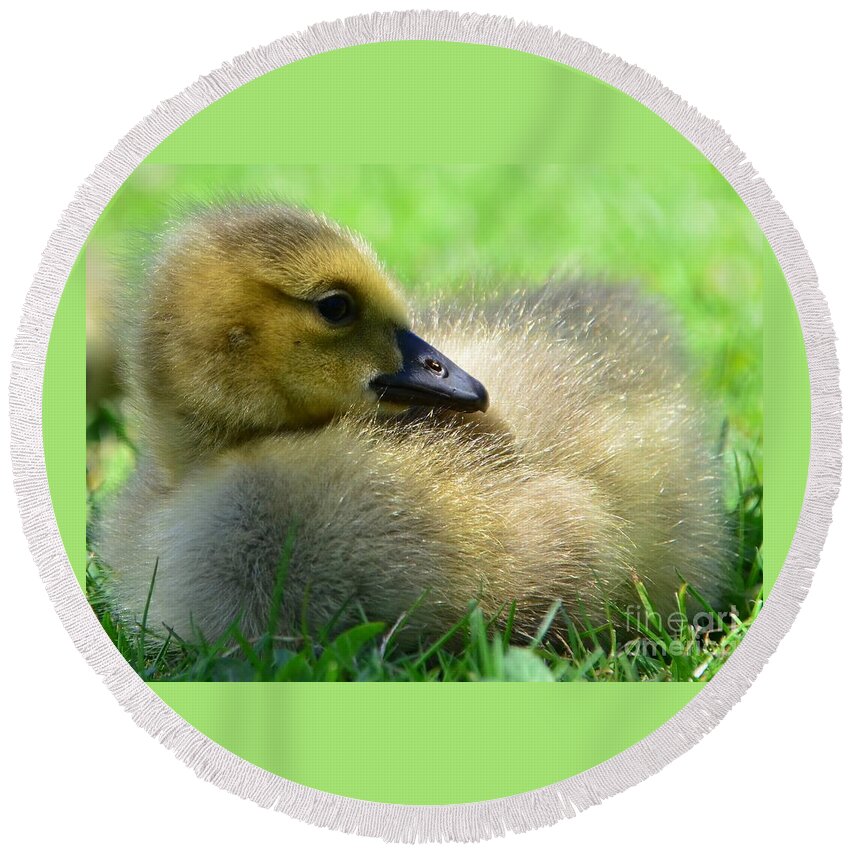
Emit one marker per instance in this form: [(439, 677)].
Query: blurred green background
[(681, 232)]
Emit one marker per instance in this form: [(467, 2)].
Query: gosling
[(284, 400)]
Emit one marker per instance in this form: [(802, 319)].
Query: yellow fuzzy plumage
[(591, 467)]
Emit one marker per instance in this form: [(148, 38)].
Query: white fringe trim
[(468, 821)]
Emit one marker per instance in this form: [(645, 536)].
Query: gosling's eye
[(337, 308)]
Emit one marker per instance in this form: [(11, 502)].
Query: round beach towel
[(419, 382)]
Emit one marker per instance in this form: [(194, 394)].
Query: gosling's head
[(266, 318)]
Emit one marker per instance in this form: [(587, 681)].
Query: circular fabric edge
[(464, 821)]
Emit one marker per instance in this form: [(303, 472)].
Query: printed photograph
[(462, 423)]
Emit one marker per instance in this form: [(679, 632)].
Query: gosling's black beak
[(429, 379)]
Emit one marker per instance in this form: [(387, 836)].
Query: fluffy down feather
[(592, 466)]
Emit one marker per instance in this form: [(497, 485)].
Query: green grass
[(684, 236), (474, 649)]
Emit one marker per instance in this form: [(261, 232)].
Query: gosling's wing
[(616, 324), (593, 380)]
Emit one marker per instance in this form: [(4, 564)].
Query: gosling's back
[(592, 467)]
